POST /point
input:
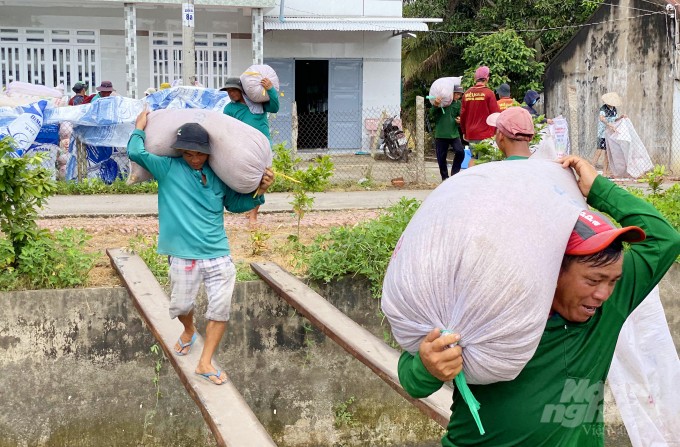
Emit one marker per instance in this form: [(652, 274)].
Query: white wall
[(300, 8), (380, 51), (149, 18)]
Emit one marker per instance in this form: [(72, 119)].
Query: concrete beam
[(356, 340), (228, 416)]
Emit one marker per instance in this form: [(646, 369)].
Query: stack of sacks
[(443, 88), (250, 79), (65, 131), (22, 93), (240, 153)]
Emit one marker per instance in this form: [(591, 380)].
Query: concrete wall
[(630, 57), (75, 368), (149, 18)]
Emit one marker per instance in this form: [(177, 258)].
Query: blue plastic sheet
[(104, 126)]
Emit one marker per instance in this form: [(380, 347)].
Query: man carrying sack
[(557, 399), (191, 203), (241, 108)]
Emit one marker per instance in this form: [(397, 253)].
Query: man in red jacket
[(478, 103)]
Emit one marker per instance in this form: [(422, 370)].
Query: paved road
[(147, 204)]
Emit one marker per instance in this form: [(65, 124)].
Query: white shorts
[(186, 276)]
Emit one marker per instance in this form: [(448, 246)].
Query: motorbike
[(394, 143)]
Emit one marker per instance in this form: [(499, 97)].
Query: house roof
[(346, 24)]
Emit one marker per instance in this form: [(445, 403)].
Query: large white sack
[(645, 377), (481, 258), (250, 79), (24, 88), (17, 100), (240, 153), (627, 154), (443, 88)]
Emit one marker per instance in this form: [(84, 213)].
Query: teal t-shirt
[(259, 121), (190, 213)]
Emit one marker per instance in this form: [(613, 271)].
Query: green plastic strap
[(434, 97), (469, 399)]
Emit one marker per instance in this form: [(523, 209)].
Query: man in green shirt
[(447, 133), (557, 399), (191, 203), (249, 112)]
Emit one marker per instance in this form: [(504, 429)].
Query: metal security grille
[(49, 56), (212, 58)]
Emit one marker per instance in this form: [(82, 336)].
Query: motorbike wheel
[(392, 151)]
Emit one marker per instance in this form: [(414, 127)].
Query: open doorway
[(311, 96)]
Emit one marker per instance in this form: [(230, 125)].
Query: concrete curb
[(108, 215)]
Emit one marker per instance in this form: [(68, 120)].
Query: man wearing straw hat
[(608, 116)]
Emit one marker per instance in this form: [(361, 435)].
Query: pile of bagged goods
[(240, 152)]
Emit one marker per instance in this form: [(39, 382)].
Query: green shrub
[(8, 275), (283, 163), (57, 260), (244, 272), (147, 249), (24, 187), (97, 186), (363, 249)]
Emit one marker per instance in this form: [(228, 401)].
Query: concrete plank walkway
[(147, 204)]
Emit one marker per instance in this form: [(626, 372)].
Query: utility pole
[(188, 47)]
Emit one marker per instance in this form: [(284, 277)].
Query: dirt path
[(117, 232)]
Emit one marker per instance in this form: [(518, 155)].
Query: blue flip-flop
[(193, 339), (207, 377)]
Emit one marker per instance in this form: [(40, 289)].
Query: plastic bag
[(240, 153), (644, 377), (627, 154), (251, 78), (443, 88), (444, 271), (560, 133), (26, 127)]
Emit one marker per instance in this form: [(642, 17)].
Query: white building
[(330, 55)]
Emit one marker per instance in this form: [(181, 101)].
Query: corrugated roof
[(343, 25)]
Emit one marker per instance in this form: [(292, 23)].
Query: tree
[(509, 60), (432, 55)]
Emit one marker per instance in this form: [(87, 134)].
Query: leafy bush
[(362, 249), (8, 274), (97, 186), (244, 272), (509, 60), (147, 249), (283, 164), (57, 260), (654, 179), (24, 187), (487, 151), (314, 179)]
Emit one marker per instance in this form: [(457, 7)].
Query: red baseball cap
[(593, 233), (513, 121)]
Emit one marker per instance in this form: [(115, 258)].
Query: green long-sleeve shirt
[(446, 122), (554, 401), (190, 213), (259, 121)]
